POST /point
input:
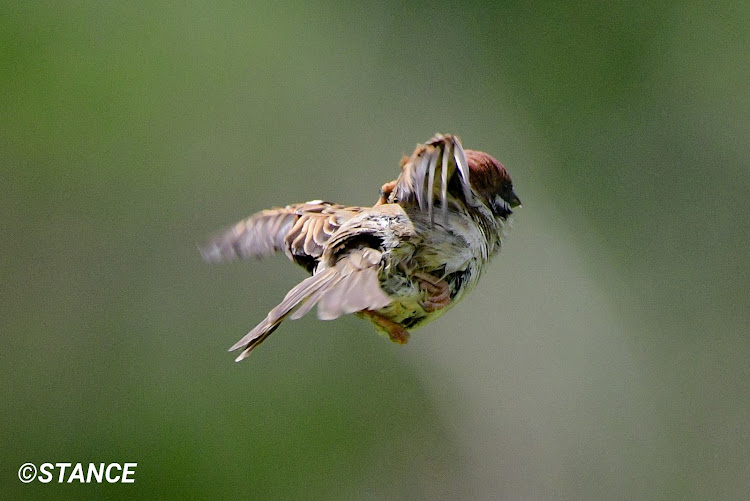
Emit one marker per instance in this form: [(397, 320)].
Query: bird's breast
[(451, 246)]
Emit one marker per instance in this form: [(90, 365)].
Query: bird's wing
[(348, 279), (300, 230), (428, 175)]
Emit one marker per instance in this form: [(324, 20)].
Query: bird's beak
[(513, 200)]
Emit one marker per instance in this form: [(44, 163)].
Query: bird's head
[(491, 183)]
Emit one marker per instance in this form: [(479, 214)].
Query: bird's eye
[(506, 188)]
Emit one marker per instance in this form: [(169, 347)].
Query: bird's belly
[(454, 256), (407, 308), (409, 312)]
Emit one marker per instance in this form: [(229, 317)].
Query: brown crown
[(486, 174)]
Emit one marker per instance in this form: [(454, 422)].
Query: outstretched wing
[(348, 279), (300, 230), (441, 157), (348, 286)]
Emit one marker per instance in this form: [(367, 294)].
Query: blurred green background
[(605, 354)]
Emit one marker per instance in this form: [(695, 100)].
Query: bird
[(399, 263)]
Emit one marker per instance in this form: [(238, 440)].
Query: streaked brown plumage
[(400, 263)]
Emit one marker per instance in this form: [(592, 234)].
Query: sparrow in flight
[(400, 263)]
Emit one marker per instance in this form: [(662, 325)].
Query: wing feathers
[(359, 288), (463, 168), (280, 312), (417, 180), (431, 182), (300, 230), (260, 235), (444, 182), (350, 285)]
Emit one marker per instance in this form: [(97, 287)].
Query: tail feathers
[(350, 285)]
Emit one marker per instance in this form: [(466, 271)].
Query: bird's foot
[(438, 292), (395, 331)]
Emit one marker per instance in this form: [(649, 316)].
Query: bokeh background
[(605, 354)]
